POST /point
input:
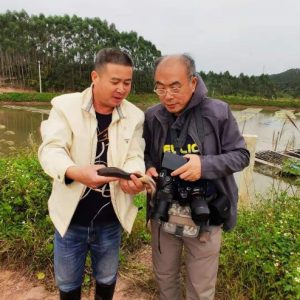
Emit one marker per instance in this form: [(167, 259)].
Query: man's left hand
[(190, 171), (133, 186)]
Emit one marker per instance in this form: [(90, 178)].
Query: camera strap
[(199, 124), (179, 140)]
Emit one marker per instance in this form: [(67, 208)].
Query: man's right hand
[(153, 173), (88, 175)]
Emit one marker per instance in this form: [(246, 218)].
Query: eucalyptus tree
[(66, 47)]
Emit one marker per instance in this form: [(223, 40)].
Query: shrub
[(291, 167), (25, 228), (260, 259)]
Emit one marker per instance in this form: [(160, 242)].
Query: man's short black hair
[(114, 56), (185, 58)]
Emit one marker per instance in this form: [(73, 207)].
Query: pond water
[(24, 123), (272, 130)]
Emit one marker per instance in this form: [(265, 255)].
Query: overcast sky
[(249, 36)]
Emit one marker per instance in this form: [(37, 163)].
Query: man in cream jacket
[(85, 132)]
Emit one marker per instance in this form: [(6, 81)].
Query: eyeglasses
[(163, 91)]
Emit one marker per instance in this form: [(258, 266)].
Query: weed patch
[(261, 257)]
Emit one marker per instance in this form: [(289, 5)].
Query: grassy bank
[(47, 97), (258, 101), (260, 259), (149, 99), (27, 97)]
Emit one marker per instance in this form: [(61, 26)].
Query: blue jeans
[(70, 253)]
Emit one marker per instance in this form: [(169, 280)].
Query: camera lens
[(164, 197), (199, 207)]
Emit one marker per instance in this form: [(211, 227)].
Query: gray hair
[(187, 60)]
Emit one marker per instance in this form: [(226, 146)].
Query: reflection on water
[(26, 120), (268, 186), (22, 123), (271, 186)]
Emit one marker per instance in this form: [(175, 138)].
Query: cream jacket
[(69, 139)]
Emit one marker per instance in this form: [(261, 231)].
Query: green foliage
[(288, 82), (139, 235), (259, 101), (264, 86), (65, 46), (143, 100), (291, 167), (226, 84), (27, 97), (260, 259), (25, 228)]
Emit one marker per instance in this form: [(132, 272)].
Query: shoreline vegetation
[(148, 99)]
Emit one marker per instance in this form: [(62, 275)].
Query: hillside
[(287, 82)]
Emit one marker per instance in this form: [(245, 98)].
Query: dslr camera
[(172, 189)]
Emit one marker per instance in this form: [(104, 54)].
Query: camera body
[(173, 189)]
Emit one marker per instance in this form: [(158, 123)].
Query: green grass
[(145, 100), (260, 258), (291, 168), (258, 101), (27, 97), (25, 228)]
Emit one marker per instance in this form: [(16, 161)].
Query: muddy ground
[(131, 283), (17, 286)]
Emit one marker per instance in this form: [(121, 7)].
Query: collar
[(87, 105)]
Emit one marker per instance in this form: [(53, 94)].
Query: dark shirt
[(188, 147), (96, 205)]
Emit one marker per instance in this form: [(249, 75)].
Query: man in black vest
[(204, 131)]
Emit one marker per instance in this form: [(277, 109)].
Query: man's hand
[(190, 171), (152, 172), (133, 186), (88, 175)]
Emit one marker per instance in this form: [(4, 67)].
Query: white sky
[(249, 36)]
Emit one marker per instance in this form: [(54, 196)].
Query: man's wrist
[(72, 173)]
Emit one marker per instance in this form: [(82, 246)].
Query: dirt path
[(16, 286)]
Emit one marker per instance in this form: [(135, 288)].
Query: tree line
[(65, 47), (288, 82), (226, 84), (285, 84)]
